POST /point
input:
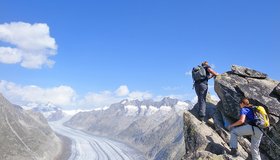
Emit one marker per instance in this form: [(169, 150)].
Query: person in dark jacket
[(201, 89)]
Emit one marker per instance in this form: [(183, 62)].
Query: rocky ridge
[(231, 87), (25, 135)]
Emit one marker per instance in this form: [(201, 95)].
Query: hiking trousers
[(256, 136), (201, 89)]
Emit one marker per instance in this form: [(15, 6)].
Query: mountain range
[(155, 128)]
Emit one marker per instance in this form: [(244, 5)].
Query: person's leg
[(201, 91), (203, 94), (255, 143), (239, 131), (198, 90)]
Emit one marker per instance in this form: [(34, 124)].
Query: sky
[(87, 54)]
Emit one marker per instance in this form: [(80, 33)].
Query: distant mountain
[(54, 113), (154, 128), (50, 111), (25, 135)]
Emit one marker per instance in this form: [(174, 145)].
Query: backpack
[(199, 73), (261, 119)]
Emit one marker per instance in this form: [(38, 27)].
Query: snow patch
[(105, 108), (131, 110), (151, 110), (97, 109), (181, 106), (143, 110), (101, 109), (124, 102), (165, 108), (73, 112), (47, 114)]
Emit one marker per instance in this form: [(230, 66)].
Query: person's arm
[(239, 122), (213, 73)]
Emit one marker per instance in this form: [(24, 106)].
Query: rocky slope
[(206, 140), (25, 135), (154, 128), (261, 90), (231, 87)]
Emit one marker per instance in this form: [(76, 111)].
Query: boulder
[(247, 72), (207, 144), (241, 82), (277, 90)]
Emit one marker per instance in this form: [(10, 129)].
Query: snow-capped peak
[(124, 101), (131, 110)]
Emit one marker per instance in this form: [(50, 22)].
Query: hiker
[(201, 75), (246, 117)]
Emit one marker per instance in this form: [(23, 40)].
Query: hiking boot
[(201, 118), (234, 152)]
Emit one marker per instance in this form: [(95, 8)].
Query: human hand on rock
[(229, 127)]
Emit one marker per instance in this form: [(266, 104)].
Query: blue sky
[(143, 47)]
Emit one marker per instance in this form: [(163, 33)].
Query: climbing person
[(201, 74), (244, 127)]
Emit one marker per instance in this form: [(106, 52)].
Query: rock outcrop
[(241, 82), (277, 90), (204, 142), (208, 140), (25, 135)]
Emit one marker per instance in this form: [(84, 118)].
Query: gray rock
[(202, 141), (247, 72), (277, 90), (231, 87), (25, 135)]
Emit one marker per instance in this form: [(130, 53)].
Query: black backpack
[(199, 73)]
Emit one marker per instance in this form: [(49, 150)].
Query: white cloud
[(30, 44), (67, 98), (140, 95), (122, 91), (174, 88), (100, 99), (194, 100), (188, 73), (183, 96), (10, 55), (106, 98), (213, 97), (30, 94), (213, 66)]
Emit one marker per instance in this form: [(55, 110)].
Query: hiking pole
[(273, 114)]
